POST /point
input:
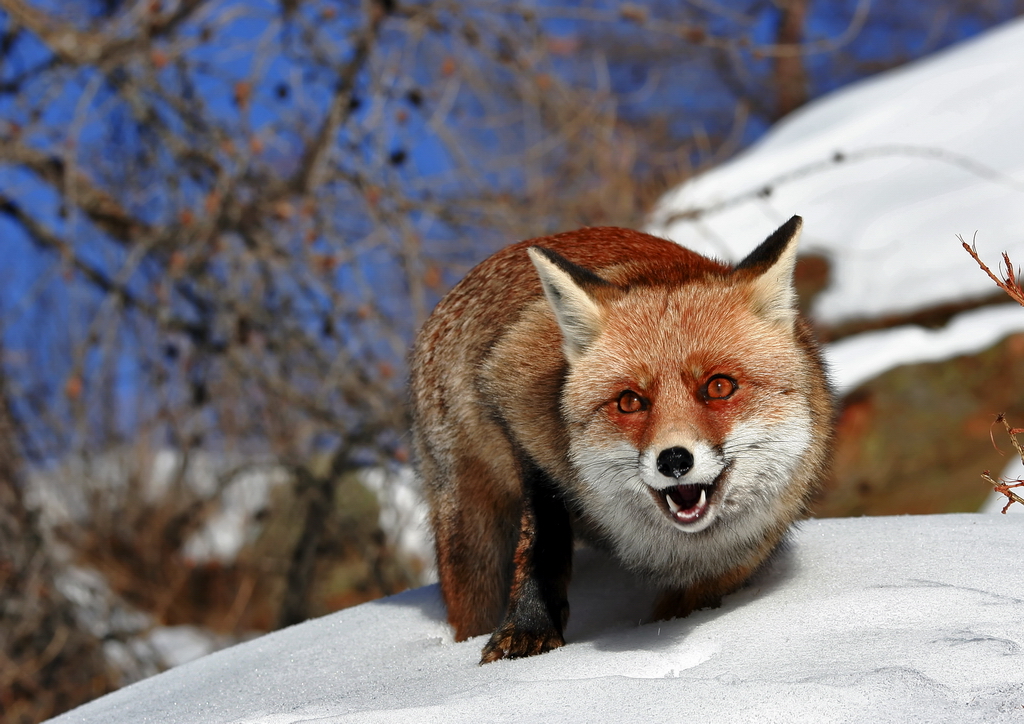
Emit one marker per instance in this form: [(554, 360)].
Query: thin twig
[(1010, 285), (1004, 486)]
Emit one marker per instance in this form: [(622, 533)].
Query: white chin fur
[(616, 494)]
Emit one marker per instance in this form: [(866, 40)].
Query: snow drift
[(867, 619)]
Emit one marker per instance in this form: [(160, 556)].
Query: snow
[(403, 516), (239, 488), (246, 493), (932, 151), (857, 359), (176, 645), (869, 619), (236, 490)]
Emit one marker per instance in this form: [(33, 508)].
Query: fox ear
[(574, 295), (770, 270)]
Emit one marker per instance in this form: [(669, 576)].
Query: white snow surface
[(403, 515), (913, 618), (855, 360), (932, 150), (239, 488)]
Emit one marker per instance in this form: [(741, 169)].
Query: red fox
[(610, 385)]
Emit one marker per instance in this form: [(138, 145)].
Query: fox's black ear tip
[(583, 277), (536, 250), (769, 251), (785, 233)]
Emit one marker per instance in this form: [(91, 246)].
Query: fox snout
[(687, 482), (675, 462), (681, 462)]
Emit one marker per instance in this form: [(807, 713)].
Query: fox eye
[(630, 402), (720, 387)]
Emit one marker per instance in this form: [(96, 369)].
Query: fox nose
[(675, 462)]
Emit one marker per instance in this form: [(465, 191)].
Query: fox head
[(689, 406)]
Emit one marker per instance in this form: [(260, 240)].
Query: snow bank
[(403, 515), (930, 151), (855, 360), (867, 619)]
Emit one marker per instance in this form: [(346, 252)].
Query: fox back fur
[(608, 384)]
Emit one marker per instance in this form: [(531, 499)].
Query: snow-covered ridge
[(930, 150), (868, 619)]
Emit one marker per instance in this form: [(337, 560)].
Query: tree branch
[(91, 47), (101, 208), (308, 175)]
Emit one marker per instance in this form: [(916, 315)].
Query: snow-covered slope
[(930, 151), (860, 620)]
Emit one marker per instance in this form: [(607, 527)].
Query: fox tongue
[(686, 503)]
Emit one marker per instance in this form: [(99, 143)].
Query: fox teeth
[(675, 507)]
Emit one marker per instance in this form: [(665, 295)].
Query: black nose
[(675, 462)]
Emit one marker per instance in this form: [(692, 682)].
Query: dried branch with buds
[(1008, 282), (1002, 485)]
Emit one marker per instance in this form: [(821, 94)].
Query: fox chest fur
[(672, 408)]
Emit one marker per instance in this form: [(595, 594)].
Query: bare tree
[(49, 661), (790, 75)]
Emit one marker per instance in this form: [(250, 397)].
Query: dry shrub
[(1008, 283)]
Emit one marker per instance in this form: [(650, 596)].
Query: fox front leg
[(538, 605)]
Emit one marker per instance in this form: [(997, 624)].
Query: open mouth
[(687, 503)]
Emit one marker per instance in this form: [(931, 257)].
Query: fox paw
[(509, 643)]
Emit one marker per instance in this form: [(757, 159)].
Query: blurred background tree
[(224, 220)]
